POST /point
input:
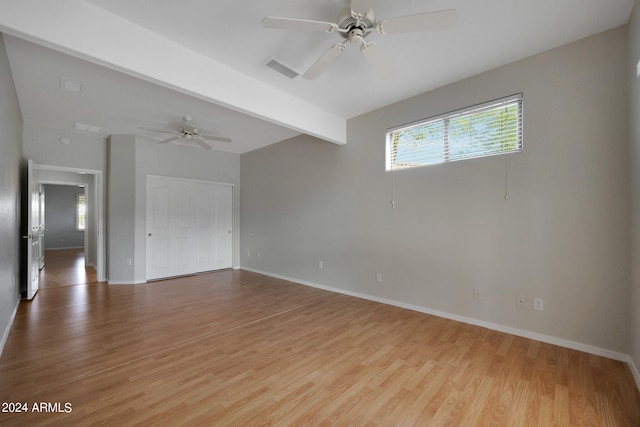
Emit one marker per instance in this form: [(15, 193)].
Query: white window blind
[(482, 130), (81, 212)]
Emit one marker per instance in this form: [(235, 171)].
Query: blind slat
[(488, 129)]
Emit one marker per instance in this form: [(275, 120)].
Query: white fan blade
[(173, 138), (162, 131), (215, 138), (298, 24), (201, 143), (360, 7), (376, 58), (325, 60), (439, 20)]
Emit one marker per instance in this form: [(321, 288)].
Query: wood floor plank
[(237, 348), (65, 267)]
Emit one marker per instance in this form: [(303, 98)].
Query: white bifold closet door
[(189, 227)]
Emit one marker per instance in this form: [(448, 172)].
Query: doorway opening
[(73, 240), (64, 241), (66, 267)]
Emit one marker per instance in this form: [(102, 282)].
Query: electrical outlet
[(476, 293), (538, 304), (521, 301), (320, 264), (128, 261), (379, 277)]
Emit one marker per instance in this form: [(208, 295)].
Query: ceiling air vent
[(282, 69), (70, 86), (86, 128)]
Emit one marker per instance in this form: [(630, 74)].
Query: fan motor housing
[(346, 21)]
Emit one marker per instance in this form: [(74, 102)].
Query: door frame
[(43, 227), (95, 201)]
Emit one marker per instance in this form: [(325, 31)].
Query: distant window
[(81, 213), (482, 130)]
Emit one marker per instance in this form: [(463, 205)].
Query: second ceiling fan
[(190, 133), (354, 24)]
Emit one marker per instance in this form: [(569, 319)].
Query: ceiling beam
[(83, 30)]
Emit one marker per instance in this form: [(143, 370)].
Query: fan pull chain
[(393, 191), (506, 179)]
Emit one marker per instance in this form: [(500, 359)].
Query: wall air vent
[(282, 69)]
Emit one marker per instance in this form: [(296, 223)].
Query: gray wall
[(55, 162), (121, 201), (130, 160), (60, 217), (10, 160), (634, 117), (42, 145), (562, 235)]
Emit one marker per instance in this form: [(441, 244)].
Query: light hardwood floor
[(64, 267), (234, 348)]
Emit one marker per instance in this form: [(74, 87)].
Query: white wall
[(131, 159), (562, 235), (10, 161), (634, 117)]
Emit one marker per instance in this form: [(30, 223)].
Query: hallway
[(65, 267)]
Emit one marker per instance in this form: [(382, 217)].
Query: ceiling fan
[(190, 133), (356, 22)]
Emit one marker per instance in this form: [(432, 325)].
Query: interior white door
[(42, 227), (32, 234), (159, 228), (189, 227), (213, 227)]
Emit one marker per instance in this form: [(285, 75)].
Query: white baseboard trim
[(634, 371), (120, 282), (62, 248), (5, 335), (493, 326)]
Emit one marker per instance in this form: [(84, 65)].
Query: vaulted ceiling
[(146, 63)]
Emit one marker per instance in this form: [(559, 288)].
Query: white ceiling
[(148, 62)]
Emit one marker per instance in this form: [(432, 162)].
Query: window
[(81, 213), (483, 130)]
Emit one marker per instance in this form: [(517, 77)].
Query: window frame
[(83, 226), (445, 118)]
